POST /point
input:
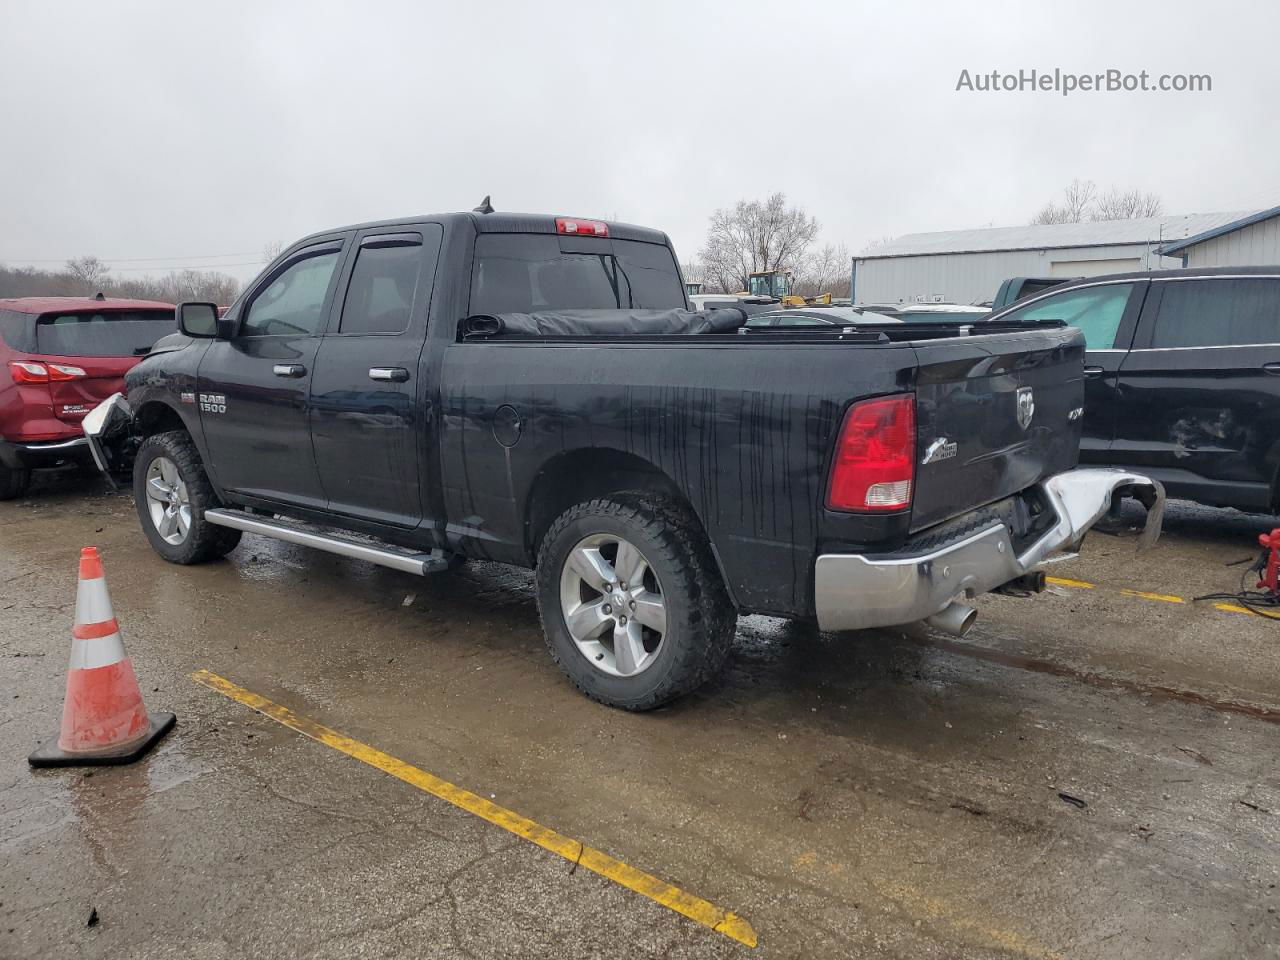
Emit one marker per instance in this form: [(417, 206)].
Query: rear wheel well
[(582, 475)]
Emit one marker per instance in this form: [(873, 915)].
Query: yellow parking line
[(1234, 608), (1163, 597), (673, 898), (1064, 582)]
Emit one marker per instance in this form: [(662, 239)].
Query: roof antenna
[(485, 205), (99, 296)]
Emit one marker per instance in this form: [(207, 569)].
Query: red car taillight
[(24, 371), (64, 371), (875, 458), (28, 371)]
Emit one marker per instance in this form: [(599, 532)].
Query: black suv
[(1182, 375)]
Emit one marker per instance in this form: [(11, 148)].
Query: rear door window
[(110, 333), (1218, 313), (383, 283), (1097, 311), (530, 273)]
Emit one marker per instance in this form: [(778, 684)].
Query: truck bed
[(744, 425)]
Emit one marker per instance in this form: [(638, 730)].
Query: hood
[(170, 342)]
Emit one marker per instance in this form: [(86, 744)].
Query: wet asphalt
[(1091, 773)]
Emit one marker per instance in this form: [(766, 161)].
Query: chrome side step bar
[(291, 532)]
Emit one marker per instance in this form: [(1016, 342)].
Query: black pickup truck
[(534, 390)]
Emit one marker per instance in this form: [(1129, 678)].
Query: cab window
[(527, 273), (1097, 311), (292, 304)]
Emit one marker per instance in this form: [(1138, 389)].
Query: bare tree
[(173, 287), (755, 236), (694, 271), (271, 250), (825, 271), (1126, 205), (1076, 202), (1081, 201), (90, 271)]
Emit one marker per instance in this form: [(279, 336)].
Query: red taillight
[(25, 371), (28, 371), (581, 228), (875, 458), (64, 371)]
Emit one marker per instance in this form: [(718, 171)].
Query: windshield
[(111, 333), (531, 273)]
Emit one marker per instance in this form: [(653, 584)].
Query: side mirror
[(198, 319)]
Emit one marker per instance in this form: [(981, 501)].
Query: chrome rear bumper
[(23, 455), (853, 592)]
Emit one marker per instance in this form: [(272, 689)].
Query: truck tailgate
[(994, 415)]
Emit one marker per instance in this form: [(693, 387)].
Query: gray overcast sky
[(180, 130)]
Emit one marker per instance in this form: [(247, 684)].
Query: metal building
[(968, 266), (1251, 241)]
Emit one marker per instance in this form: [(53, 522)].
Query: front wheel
[(631, 600), (171, 492)]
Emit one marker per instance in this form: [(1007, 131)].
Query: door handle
[(292, 370), (1272, 368), (1092, 373), (389, 374)]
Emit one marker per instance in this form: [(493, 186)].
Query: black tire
[(13, 482), (700, 618), (204, 541)]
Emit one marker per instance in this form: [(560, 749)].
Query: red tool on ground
[(1270, 580), (103, 719)]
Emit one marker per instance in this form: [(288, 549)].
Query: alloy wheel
[(613, 605), (167, 501)]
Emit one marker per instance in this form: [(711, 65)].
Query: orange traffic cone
[(103, 719)]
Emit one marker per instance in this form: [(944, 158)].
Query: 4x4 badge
[(1026, 406)]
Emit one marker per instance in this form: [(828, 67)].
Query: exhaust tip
[(956, 619)]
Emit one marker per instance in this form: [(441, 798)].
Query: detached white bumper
[(104, 419), (853, 592)]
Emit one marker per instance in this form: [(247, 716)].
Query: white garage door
[(1093, 268)]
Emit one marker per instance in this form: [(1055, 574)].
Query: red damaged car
[(59, 357)]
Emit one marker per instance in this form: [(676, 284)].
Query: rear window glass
[(1218, 313), (1030, 288), (1097, 311), (529, 273), (113, 333)]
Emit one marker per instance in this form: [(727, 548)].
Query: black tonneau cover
[(721, 320), (604, 323)]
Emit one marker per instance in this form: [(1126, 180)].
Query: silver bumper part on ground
[(853, 592)]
